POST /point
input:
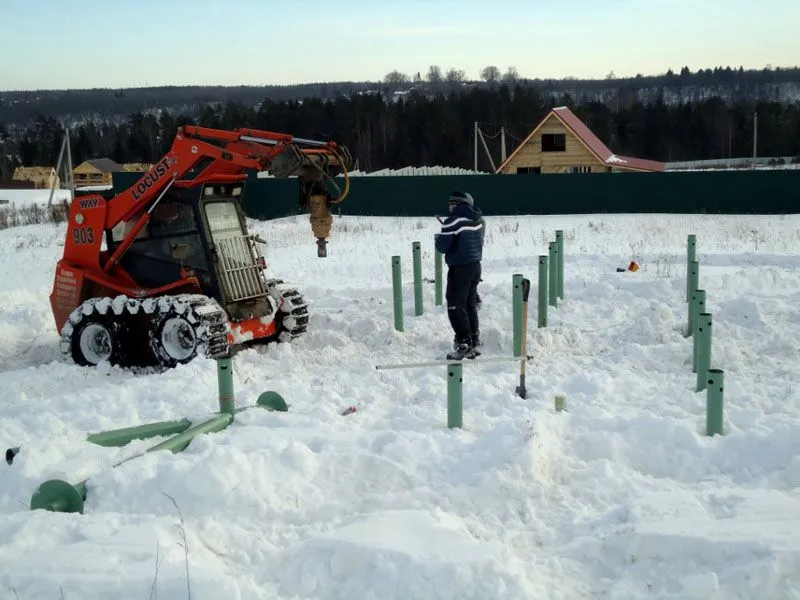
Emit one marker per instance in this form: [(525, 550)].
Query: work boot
[(475, 341), (463, 351)]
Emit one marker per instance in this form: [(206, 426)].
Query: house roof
[(592, 143), (19, 171), (106, 165), (137, 167)]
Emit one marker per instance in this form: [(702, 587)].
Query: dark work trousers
[(462, 296)]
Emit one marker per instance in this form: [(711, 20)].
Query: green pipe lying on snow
[(57, 495), (124, 436)]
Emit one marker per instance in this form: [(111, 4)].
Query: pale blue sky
[(121, 43)]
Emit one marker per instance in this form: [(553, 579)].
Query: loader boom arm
[(231, 154)]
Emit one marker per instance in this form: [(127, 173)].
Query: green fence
[(723, 192)]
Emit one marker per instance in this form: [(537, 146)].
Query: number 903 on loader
[(166, 270)]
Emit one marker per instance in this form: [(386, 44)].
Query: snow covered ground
[(23, 198), (622, 496)]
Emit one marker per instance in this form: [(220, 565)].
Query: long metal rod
[(161, 195), (296, 140), (436, 363), (258, 140), (309, 142)]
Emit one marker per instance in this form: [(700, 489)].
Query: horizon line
[(519, 78)]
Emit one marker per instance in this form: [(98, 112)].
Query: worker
[(461, 243)]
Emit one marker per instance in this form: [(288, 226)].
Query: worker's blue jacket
[(461, 238)]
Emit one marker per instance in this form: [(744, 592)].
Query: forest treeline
[(421, 128), (18, 109)]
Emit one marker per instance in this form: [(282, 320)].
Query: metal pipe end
[(272, 400), (56, 495), (10, 454)]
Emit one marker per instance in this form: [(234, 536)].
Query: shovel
[(526, 288)]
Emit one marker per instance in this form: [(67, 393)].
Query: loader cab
[(169, 245), (199, 231)]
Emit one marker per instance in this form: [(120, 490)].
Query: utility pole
[(502, 145), (67, 179), (475, 135), (730, 133), (70, 179), (755, 138), (488, 154)]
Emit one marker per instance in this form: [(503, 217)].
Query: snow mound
[(741, 312), (390, 554), (711, 545)]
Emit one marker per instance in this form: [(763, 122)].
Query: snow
[(424, 170), (23, 198), (620, 496)]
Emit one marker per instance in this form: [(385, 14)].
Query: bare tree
[(455, 75), (435, 74), (511, 75), (490, 74), (396, 77), (395, 80)]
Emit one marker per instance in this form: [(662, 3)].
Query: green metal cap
[(56, 495), (272, 401)]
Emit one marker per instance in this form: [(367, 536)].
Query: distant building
[(95, 172), (40, 177), (562, 143), (136, 167)]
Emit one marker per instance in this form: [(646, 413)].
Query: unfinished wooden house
[(40, 177), (562, 143)]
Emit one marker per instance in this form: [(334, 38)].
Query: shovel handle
[(526, 289)]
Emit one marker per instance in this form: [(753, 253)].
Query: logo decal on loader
[(154, 176), (89, 203)]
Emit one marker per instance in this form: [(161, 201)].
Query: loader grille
[(239, 269)]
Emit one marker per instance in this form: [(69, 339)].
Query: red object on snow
[(349, 411)]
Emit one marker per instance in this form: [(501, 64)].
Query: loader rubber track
[(200, 322), (132, 332), (292, 314)]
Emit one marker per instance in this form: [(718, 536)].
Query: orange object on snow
[(633, 266)]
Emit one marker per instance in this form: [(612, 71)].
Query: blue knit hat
[(459, 197)]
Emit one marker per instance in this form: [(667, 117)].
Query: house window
[(579, 169), (554, 142), (526, 170)]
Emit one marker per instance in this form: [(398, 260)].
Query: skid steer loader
[(166, 270)]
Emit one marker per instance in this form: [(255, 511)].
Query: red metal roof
[(635, 163), (566, 116), (595, 145)]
